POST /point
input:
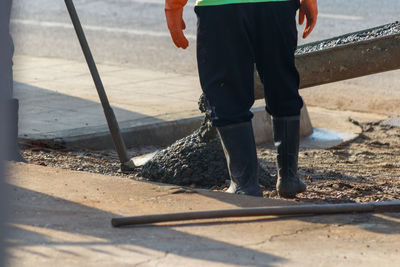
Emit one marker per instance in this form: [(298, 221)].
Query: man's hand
[(176, 25), (309, 10)]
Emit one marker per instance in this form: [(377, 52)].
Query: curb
[(97, 138), (150, 132)]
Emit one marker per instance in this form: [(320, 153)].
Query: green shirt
[(225, 2)]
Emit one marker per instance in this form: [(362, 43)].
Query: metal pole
[(126, 163), (389, 206)]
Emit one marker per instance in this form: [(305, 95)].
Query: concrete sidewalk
[(60, 106), (59, 100), (62, 218)]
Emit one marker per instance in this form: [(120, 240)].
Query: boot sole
[(290, 194), (255, 194)]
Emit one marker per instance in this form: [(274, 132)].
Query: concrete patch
[(395, 122), (262, 125), (334, 127)]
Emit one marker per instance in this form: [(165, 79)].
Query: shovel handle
[(108, 111)]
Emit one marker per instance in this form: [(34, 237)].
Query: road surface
[(134, 32)]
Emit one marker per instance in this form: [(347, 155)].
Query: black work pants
[(230, 40)]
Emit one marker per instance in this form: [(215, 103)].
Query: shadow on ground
[(58, 120), (36, 214), (367, 221)]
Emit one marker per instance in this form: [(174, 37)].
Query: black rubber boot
[(240, 151), (287, 138), (13, 150)]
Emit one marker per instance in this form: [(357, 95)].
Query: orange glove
[(308, 9), (176, 25)]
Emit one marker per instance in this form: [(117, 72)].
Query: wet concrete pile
[(385, 30), (196, 160)]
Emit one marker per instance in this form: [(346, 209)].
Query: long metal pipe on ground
[(352, 59), (388, 206)]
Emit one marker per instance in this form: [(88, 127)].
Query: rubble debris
[(352, 172)]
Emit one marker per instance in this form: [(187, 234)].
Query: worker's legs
[(226, 68), (286, 137), (275, 45), (225, 62), (241, 157), (276, 42)]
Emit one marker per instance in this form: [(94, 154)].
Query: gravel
[(197, 161), (364, 170)]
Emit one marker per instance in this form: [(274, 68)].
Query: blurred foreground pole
[(5, 92)]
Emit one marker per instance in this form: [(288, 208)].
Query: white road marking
[(337, 16), (50, 24), (191, 3)]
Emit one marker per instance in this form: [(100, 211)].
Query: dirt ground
[(365, 169), (62, 218)]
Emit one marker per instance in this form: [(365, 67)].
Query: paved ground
[(377, 93), (147, 79), (63, 217), (60, 104), (58, 97), (134, 32)]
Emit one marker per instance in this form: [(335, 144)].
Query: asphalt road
[(134, 32)]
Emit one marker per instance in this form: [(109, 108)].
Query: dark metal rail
[(389, 206)]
